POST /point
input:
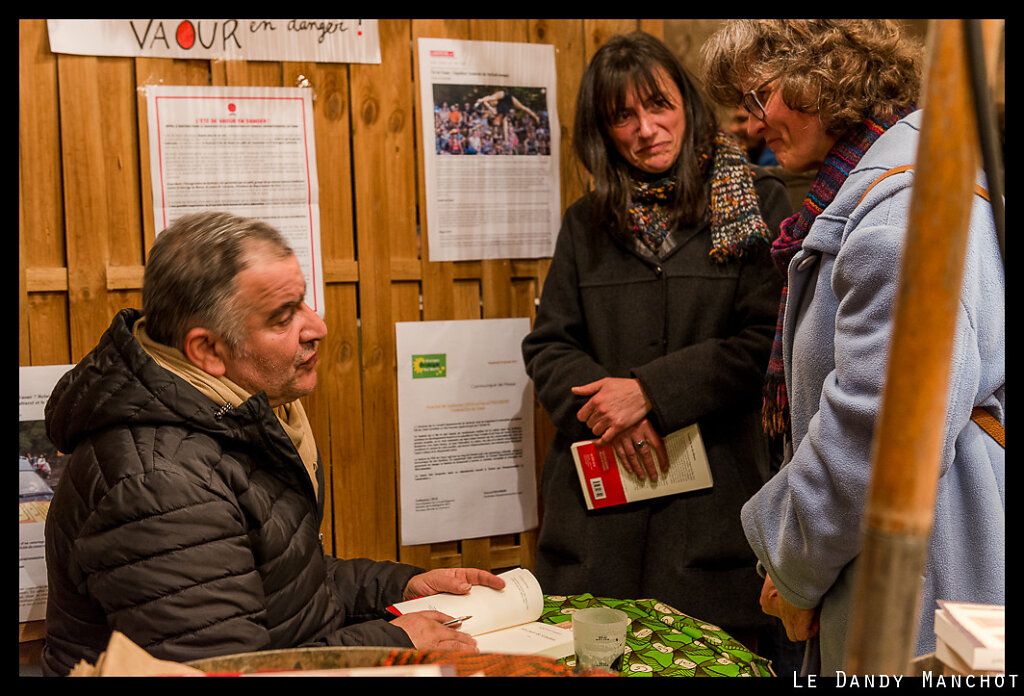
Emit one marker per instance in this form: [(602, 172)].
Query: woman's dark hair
[(624, 64)]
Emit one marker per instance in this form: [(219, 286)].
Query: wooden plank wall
[(85, 227)]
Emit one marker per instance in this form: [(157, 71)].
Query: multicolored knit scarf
[(650, 210), (736, 222), (841, 159)]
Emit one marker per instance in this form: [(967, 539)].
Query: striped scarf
[(841, 159), (736, 222)]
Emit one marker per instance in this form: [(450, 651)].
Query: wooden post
[(908, 439)]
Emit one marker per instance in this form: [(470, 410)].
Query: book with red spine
[(606, 482)]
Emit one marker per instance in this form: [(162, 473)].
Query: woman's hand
[(615, 405), (637, 447), (800, 624)]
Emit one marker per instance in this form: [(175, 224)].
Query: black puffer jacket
[(194, 533)]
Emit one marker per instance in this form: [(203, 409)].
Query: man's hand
[(451, 580), (425, 628), (427, 631), (800, 624)]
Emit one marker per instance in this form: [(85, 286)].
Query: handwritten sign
[(312, 40)]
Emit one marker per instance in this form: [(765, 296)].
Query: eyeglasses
[(753, 104)]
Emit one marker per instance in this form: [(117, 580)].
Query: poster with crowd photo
[(491, 154), (40, 466)]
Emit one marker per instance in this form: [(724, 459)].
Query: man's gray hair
[(190, 278)]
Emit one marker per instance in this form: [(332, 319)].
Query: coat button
[(807, 262)]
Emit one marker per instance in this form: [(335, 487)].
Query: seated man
[(189, 512)]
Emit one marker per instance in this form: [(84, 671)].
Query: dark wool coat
[(193, 533), (697, 334)]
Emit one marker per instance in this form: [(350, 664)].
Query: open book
[(502, 621), (605, 481)]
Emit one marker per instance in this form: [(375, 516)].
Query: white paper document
[(249, 151), (465, 420), (39, 470), (491, 160)]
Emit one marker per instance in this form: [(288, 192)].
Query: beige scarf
[(222, 390)]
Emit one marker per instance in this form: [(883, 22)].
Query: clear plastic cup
[(599, 637)]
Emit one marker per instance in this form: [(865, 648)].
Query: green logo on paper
[(424, 366)]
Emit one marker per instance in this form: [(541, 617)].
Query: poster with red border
[(249, 151)]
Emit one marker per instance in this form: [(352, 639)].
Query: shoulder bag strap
[(978, 190), (987, 422)]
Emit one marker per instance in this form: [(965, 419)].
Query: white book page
[(688, 468), (521, 601), (534, 638)]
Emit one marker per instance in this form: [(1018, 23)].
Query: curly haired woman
[(839, 96)]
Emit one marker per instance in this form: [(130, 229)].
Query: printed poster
[(491, 149), (40, 466), (243, 150), (465, 416)]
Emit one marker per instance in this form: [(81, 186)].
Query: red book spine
[(601, 474)]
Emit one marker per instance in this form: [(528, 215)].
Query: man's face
[(279, 352)]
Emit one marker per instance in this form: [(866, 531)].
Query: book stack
[(970, 638)]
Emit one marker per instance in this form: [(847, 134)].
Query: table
[(660, 641), (663, 641)]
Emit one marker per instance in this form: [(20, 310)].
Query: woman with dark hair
[(657, 313), (838, 97)]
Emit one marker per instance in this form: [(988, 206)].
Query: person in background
[(757, 151), (797, 183), (838, 97), (657, 313), (189, 511)]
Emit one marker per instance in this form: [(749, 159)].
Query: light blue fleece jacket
[(805, 524)]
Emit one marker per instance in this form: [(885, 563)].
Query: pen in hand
[(456, 621)]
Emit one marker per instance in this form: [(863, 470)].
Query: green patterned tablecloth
[(662, 641)]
